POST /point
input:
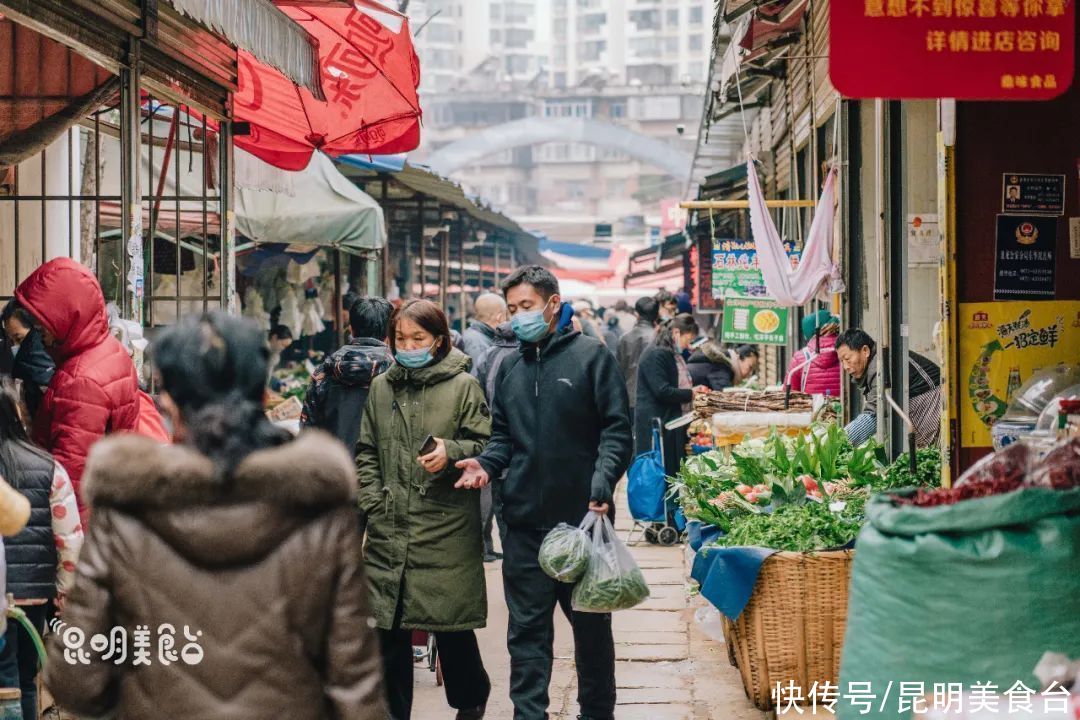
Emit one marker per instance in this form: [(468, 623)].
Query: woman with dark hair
[(424, 549), (715, 367), (237, 546), (665, 390), (40, 558), (30, 362)]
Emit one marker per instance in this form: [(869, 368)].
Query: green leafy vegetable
[(794, 528), (564, 554)]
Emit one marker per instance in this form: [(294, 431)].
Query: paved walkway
[(667, 669)]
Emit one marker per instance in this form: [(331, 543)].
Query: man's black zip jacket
[(561, 427)]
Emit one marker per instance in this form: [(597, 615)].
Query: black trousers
[(491, 512), (531, 597), (465, 680), (19, 659)]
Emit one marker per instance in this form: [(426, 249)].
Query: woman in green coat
[(424, 548)]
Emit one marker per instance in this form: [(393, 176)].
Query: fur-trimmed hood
[(174, 490), (711, 352)]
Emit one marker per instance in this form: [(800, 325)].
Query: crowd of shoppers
[(307, 562)]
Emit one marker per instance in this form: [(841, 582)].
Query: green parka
[(424, 540)]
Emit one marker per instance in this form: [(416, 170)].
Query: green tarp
[(969, 593)]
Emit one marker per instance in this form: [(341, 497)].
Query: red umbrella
[(370, 73)]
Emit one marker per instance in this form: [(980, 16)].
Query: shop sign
[(1001, 345), (1033, 194), (924, 239), (756, 321), (1024, 258), (735, 268), (966, 49), (1074, 238)]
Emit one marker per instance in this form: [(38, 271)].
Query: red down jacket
[(816, 372), (95, 390)]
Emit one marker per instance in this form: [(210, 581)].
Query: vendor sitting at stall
[(856, 350)]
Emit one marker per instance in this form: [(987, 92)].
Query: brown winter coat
[(269, 572)]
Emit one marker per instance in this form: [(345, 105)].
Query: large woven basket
[(792, 630)]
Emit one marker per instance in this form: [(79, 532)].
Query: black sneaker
[(476, 713)]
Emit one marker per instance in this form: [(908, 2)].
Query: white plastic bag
[(565, 552), (613, 581)]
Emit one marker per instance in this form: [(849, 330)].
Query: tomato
[(810, 483), (743, 489), (751, 497), (761, 489)]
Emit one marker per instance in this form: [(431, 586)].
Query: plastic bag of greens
[(613, 581), (565, 552)]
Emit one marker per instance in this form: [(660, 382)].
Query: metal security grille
[(67, 201)]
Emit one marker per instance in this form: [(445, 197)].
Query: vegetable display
[(564, 554), (793, 528), (1006, 471), (800, 494)]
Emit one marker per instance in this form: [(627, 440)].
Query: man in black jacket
[(339, 388), (561, 431)]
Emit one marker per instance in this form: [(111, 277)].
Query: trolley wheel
[(668, 536), (650, 536)]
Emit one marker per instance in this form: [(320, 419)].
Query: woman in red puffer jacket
[(95, 389), (815, 369)]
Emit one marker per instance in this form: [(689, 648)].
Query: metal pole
[(132, 256), (881, 361), (498, 257), (461, 263), (444, 268), (743, 204), (227, 219), (423, 250), (339, 321)]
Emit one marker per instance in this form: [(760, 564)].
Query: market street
[(667, 668)]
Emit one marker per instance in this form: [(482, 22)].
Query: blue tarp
[(381, 163), (727, 576)]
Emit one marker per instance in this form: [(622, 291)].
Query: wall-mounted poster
[(1001, 345), (1024, 259), (1028, 194)]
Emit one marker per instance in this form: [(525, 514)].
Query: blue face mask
[(414, 359), (530, 326)]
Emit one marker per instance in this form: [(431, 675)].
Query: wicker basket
[(792, 630)]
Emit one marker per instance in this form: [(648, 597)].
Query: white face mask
[(15, 350)]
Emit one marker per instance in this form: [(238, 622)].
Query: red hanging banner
[(965, 49)]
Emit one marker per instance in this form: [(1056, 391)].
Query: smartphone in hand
[(429, 446)]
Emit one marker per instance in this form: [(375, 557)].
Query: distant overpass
[(538, 130)]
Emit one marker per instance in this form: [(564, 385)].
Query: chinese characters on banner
[(1001, 345), (735, 267), (966, 49)]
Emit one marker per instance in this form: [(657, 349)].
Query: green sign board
[(735, 268), (756, 321)]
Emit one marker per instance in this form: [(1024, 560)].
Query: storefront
[(97, 159), (443, 244)]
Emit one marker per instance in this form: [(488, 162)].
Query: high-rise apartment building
[(630, 42), (504, 39)]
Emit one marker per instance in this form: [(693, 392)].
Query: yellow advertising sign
[(1001, 345)]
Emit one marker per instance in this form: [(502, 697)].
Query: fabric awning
[(263, 30), (321, 208), (315, 206)]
